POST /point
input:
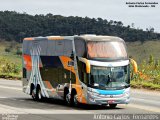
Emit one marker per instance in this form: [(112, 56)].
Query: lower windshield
[(109, 77)]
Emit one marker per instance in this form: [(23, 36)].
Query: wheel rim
[(75, 100), (39, 95), (33, 94), (68, 98)]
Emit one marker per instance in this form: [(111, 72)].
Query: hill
[(15, 26), (141, 51)]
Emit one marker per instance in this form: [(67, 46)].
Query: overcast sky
[(106, 9)]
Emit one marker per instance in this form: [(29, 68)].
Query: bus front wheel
[(75, 101), (68, 99)]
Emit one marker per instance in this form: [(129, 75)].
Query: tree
[(15, 26)]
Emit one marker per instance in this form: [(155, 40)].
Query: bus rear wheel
[(112, 105), (38, 94), (33, 94)]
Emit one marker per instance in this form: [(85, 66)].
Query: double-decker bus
[(89, 69)]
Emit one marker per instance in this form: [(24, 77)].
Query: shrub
[(148, 76), (7, 49), (19, 52), (8, 67)]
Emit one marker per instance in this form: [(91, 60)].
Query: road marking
[(8, 109), (13, 88), (146, 101), (147, 108), (3, 97)]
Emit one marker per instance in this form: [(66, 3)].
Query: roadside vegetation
[(148, 75), (9, 69), (10, 60)]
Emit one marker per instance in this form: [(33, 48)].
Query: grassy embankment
[(10, 62), (149, 67), (147, 55)]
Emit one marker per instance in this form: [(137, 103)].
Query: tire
[(67, 96), (68, 99), (75, 101), (71, 99), (38, 94), (33, 94), (112, 105)]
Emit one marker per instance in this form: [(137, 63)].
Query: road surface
[(15, 103)]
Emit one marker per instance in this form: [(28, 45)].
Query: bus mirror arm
[(87, 63)]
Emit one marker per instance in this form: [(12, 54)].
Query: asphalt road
[(16, 104)]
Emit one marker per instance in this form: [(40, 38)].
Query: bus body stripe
[(110, 92), (29, 38)]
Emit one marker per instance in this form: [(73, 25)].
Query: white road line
[(146, 101), (8, 109), (3, 97), (13, 88), (146, 108)]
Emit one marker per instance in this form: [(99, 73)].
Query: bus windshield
[(108, 78), (106, 49)]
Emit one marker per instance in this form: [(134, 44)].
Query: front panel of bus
[(109, 79)]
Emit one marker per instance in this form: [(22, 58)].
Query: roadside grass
[(10, 69), (147, 55), (145, 85), (11, 76), (148, 75), (10, 62)]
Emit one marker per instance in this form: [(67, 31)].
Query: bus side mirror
[(134, 68), (87, 64)]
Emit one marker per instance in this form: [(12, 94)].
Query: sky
[(116, 10)]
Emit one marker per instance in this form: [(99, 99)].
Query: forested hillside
[(16, 26)]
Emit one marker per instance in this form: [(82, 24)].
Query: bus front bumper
[(98, 99)]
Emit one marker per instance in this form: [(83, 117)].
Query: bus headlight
[(92, 93), (95, 94), (127, 94)]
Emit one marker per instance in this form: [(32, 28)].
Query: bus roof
[(63, 45), (100, 38), (81, 37)]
